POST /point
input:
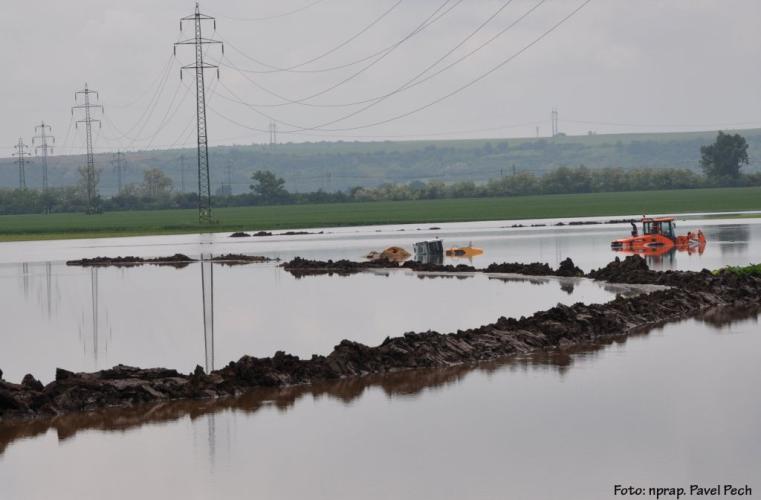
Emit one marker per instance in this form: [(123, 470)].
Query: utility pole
[(198, 41), (43, 133), (182, 173), (554, 119), (90, 172), (22, 154), (118, 162)]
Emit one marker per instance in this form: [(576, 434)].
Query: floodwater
[(673, 407)]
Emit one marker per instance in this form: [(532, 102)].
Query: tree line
[(721, 163)]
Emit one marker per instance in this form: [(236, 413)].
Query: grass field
[(59, 226)]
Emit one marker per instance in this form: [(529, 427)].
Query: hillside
[(339, 165)]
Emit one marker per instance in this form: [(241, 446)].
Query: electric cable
[(277, 69), (411, 83), (275, 16)]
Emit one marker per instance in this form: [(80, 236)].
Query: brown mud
[(401, 383), (177, 260), (690, 294), (305, 267)]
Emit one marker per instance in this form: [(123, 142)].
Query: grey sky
[(623, 65)]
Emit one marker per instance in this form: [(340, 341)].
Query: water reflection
[(732, 239), (402, 384), (207, 296)]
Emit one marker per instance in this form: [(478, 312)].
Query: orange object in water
[(658, 237), (468, 251)]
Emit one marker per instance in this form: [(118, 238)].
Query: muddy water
[(674, 407), (89, 319), (730, 241)]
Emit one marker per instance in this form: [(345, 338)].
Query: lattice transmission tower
[(118, 162), (43, 134), (91, 175), (554, 120), (22, 155), (198, 41)]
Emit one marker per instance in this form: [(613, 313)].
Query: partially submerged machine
[(468, 251), (658, 237)]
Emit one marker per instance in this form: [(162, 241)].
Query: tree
[(724, 158), (269, 187), (156, 183)]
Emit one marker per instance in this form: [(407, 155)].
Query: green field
[(58, 226)]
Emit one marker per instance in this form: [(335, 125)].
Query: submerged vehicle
[(468, 251), (658, 237)]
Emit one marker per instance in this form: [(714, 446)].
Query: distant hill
[(339, 165)]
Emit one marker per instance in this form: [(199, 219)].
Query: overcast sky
[(615, 66)]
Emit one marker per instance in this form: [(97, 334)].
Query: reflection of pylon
[(49, 288), (207, 296), (94, 303)]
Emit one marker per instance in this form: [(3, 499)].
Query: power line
[(276, 16), (416, 81), (353, 75), (276, 69), (435, 101), (147, 90), (169, 114), (91, 176), (472, 82), (362, 31)]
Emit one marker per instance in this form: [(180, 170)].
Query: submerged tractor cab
[(658, 233)]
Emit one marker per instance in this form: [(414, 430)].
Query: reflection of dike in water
[(402, 384)]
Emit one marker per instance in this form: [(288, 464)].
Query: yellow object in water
[(468, 251)]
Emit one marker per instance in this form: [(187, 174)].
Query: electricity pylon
[(198, 41), (91, 176), (118, 162), (22, 154), (40, 141)]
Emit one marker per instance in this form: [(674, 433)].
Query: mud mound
[(560, 326), (568, 269), (691, 294), (232, 259), (177, 260), (533, 269), (305, 267)]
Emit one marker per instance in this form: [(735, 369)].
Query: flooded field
[(671, 407)]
